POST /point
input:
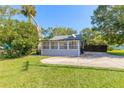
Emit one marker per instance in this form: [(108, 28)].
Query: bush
[(110, 48), (18, 38)]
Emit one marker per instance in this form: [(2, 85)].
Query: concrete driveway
[(91, 59)]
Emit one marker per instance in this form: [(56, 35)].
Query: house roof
[(66, 37)]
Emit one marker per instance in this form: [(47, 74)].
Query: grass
[(117, 52), (38, 75)]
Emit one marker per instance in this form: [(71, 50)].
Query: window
[(63, 44), (46, 45), (73, 44), (54, 44)]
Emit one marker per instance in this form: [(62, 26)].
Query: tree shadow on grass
[(2, 58), (78, 67)]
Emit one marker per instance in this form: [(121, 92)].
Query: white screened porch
[(60, 48)]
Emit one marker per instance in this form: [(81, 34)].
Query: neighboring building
[(61, 46), (121, 47)]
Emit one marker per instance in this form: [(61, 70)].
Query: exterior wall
[(61, 52)]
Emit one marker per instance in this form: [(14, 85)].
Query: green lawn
[(12, 74), (117, 52)]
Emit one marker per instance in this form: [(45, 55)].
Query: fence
[(96, 48)]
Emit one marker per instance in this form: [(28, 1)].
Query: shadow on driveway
[(94, 55)]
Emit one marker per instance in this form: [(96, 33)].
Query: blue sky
[(74, 16)]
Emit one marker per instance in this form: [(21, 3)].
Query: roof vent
[(74, 35)]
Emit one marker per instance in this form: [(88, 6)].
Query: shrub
[(18, 38), (110, 48)]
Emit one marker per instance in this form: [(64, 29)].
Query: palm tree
[(30, 12)]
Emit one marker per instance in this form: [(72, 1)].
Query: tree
[(7, 12), (90, 36), (47, 33), (19, 38), (110, 21), (87, 35), (57, 31), (30, 12), (63, 31)]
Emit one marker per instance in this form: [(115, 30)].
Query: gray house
[(61, 46)]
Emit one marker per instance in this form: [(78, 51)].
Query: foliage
[(7, 12), (18, 38), (57, 31), (28, 10), (110, 48), (92, 37), (47, 33), (110, 21)]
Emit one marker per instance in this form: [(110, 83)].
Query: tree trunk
[(39, 34)]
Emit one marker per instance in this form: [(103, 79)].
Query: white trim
[(49, 45), (78, 48), (67, 45), (58, 45)]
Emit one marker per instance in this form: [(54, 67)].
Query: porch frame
[(58, 46)]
